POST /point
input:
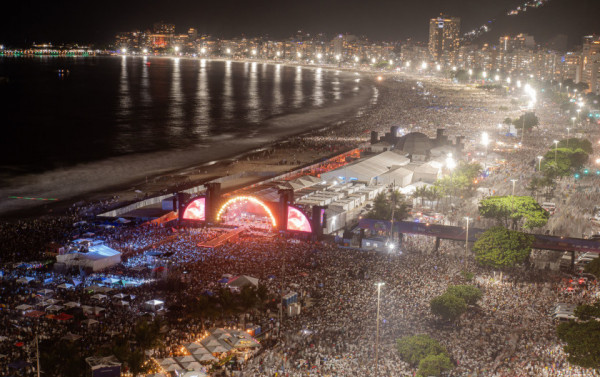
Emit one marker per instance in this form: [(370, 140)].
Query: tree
[(468, 293), (499, 247), (593, 268), (527, 120), (434, 365), (413, 349), (384, 207), (582, 342), (519, 210), (507, 121), (448, 306), (575, 143)]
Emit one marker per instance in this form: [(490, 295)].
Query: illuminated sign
[(297, 221), (196, 210)]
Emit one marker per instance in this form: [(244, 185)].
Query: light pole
[(467, 237), (540, 162), (568, 136), (513, 186), (555, 150), (377, 334)]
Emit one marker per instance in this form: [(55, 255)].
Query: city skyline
[(94, 23)]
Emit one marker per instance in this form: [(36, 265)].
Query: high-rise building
[(163, 28), (444, 38), (590, 62)]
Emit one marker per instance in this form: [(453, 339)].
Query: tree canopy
[(593, 268), (519, 211), (413, 349), (582, 337), (434, 365), (527, 120), (383, 207), (575, 143), (448, 306), (469, 293), (499, 247)]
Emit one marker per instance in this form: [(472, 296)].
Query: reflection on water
[(202, 116), (318, 88), (253, 95), (277, 95), (298, 93), (145, 104), (175, 126), (228, 92), (124, 95)]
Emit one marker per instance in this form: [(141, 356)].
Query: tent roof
[(242, 280)]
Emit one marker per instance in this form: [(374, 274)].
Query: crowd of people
[(509, 333)]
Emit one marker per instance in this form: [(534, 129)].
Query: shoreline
[(124, 171)]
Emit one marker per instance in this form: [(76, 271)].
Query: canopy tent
[(97, 258), (24, 280), (65, 286), (185, 359), (54, 308), (24, 307), (367, 169), (242, 281), (71, 337), (192, 365), (98, 297), (154, 305), (49, 301), (72, 304), (122, 303), (166, 361), (205, 357), (89, 322), (45, 292)]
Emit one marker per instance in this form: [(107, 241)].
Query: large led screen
[(196, 210), (297, 221)]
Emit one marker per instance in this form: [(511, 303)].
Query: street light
[(555, 149), (124, 50), (540, 162), (513, 186), (467, 237), (319, 55), (176, 48), (356, 59), (377, 334), (568, 135), (485, 140)]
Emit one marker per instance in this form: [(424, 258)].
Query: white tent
[(242, 281), (54, 308), (72, 304), (65, 286), (154, 305), (98, 297), (173, 368), (45, 292), (166, 361), (24, 280), (23, 307), (49, 301), (205, 357), (185, 359), (89, 322), (367, 169), (195, 373), (98, 258), (192, 365), (122, 303)]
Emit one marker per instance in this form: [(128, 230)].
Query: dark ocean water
[(116, 106)]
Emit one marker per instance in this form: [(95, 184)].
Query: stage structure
[(248, 211)]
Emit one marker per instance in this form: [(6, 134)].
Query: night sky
[(26, 21)]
